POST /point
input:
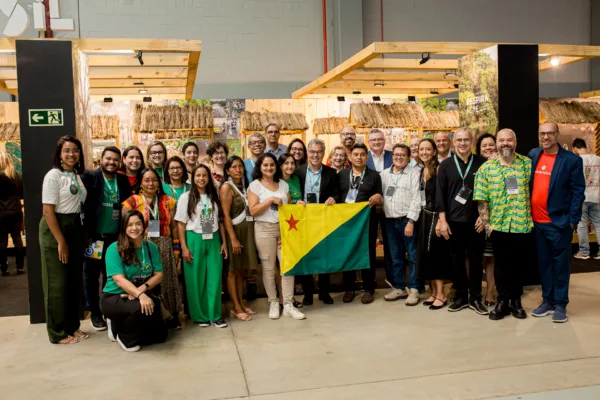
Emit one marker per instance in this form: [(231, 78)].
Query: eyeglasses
[(400, 155), (220, 153), (296, 149), (255, 142), (71, 151), (376, 140), (173, 169), (157, 153), (467, 140), (551, 133), (315, 152)]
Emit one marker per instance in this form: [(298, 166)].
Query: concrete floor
[(344, 351)]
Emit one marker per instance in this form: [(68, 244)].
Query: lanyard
[(234, 186), (395, 182), (205, 205), (314, 183), (112, 188), (362, 175), (154, 211), (143, 256), (459, 170), (75, 182), (174, 193)]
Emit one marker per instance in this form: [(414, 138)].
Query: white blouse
[(195, 223), (263, 194), (56, 190)]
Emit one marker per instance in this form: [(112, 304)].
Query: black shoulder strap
[(149, 255)]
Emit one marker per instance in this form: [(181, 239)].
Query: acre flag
[(319, 239)]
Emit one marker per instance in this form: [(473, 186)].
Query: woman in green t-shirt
[(133, 268), (288, 166), (175, 178)]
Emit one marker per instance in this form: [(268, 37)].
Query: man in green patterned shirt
[(502, 189)]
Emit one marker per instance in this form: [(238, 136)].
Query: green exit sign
[(46, 117)]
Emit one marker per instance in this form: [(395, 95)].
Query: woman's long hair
[(123, 169), (257, 173), (57, 161), (228, 165), (159, 189), (304, 159), (125, 246), (175, 159), (164, 148), (433, 165), (7, 166), (211, 191)]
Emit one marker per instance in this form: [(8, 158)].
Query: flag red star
[(292, 222)]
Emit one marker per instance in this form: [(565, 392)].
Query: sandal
[(241, 316), (249, 311), (434, 307), (69, 340), (429, 302), (79, 334), (297, 304)]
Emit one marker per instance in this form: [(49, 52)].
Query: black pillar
[(45, 73)]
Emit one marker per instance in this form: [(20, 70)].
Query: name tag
[(154, 228), (249, 216), (351, 196), (511, 185), (207, 230), (389, 193), (116, 213), (463, 195), (311, 198)]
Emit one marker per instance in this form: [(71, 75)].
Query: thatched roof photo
[(256, 121), (323, 126), (105, 127), (10, 131), (442, 120), (397, 115), (153, 118), (571, 112)]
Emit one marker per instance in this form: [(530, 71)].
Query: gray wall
[(533, 21)]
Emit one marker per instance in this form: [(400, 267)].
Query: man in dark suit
[(557, 195), (319, 184), (106, 190)]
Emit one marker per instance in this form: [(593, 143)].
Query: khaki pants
[(267, 235)]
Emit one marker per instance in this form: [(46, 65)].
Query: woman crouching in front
[(133, 268)]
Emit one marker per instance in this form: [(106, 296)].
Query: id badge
[(351, 196), (81, 213), (463, 195), (511, 185), (389, 193), (249, 216), (311, 198), (207, 230), (154, 228), (116, 213)]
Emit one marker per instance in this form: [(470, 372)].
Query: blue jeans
[(554, 261), (590, 211), (399, 244)]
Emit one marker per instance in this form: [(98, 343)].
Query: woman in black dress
[(11, 213), (433, 254)]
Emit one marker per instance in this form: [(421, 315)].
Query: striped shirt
[(406, 198), (509, 213)]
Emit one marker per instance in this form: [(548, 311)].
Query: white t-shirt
[(195, 223), (263, 194), (591, 171), (56, 190)]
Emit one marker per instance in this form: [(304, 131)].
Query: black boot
[(500, 311), (250, 291), (516, 309)]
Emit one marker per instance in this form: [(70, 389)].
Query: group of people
[(145, 221)]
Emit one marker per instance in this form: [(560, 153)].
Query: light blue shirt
[(312, 183), (249, 164), (279, 152)]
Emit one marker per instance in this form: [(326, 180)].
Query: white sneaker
[(583, 257), (111, 336), (128, 349), (395, 294), (413, 297), (290, 311), (274, 310), (597, 256)]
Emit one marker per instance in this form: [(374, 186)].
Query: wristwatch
[(411, 221), (147, 286)]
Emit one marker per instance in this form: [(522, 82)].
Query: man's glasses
[(255, 143), (315, 152), (551, 133)]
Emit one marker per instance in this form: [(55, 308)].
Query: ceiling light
[(554, 61), (434, 91), (379, 83), (108, 99), (376, 98), (139, 57), (138, 83), (356, 91), (147, 99), (143, 91), (412, 99), (341, 98), (424, 58), (451, 72)]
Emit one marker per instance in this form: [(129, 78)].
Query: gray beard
[(507, 152)]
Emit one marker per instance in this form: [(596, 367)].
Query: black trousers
[(509, 263), (465, 241), (308, 284), (11, 225), (368, 275), (128, 322), (92, 269)]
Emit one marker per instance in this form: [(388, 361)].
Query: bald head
[(348, 137), (442, 142), (506, 142), (548, 136)]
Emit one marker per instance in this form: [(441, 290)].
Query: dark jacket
[(388, 160), (567, 187), (329, 182), (94, 184), (11, 193)]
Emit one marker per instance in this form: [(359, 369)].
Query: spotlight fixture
[(147, 99), (143, 91), (356, 91), (554, 61), (434, 91), (424, 58), (456, 86), (379, 83), (108, 99), (341, 98), (376, 98), (412, 99), (140, 83), (450, 72), (139, 57)]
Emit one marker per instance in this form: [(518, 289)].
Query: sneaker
[(560, 315), (204, 324), (477, 306), (220, 323), (98, 323), (458, 304), (543, 310), (413, 297), (111, 335), (395, 294), (290, 311), (128, 349), (582, 256), (274, 310), (597, 257)]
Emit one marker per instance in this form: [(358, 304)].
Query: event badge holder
[(389, 193), (464, 193), (355, 182), (153, 224), (314, 184), (75, 189), (512, 186), (206, 221), (114, 195)]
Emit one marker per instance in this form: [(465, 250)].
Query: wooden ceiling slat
[(138, 73), (134, 83), (381, 91), (135, 91), (410, 64), (393, 85), (399, 76), (132, 61)]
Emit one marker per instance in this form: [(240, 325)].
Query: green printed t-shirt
[(295, 192), (509, 213), (106, 223), (175, 192), (141, 269)]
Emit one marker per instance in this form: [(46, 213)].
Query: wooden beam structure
[(589, 95), (420, 73)]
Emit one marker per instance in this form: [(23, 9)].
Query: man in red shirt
[(557, 194)]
